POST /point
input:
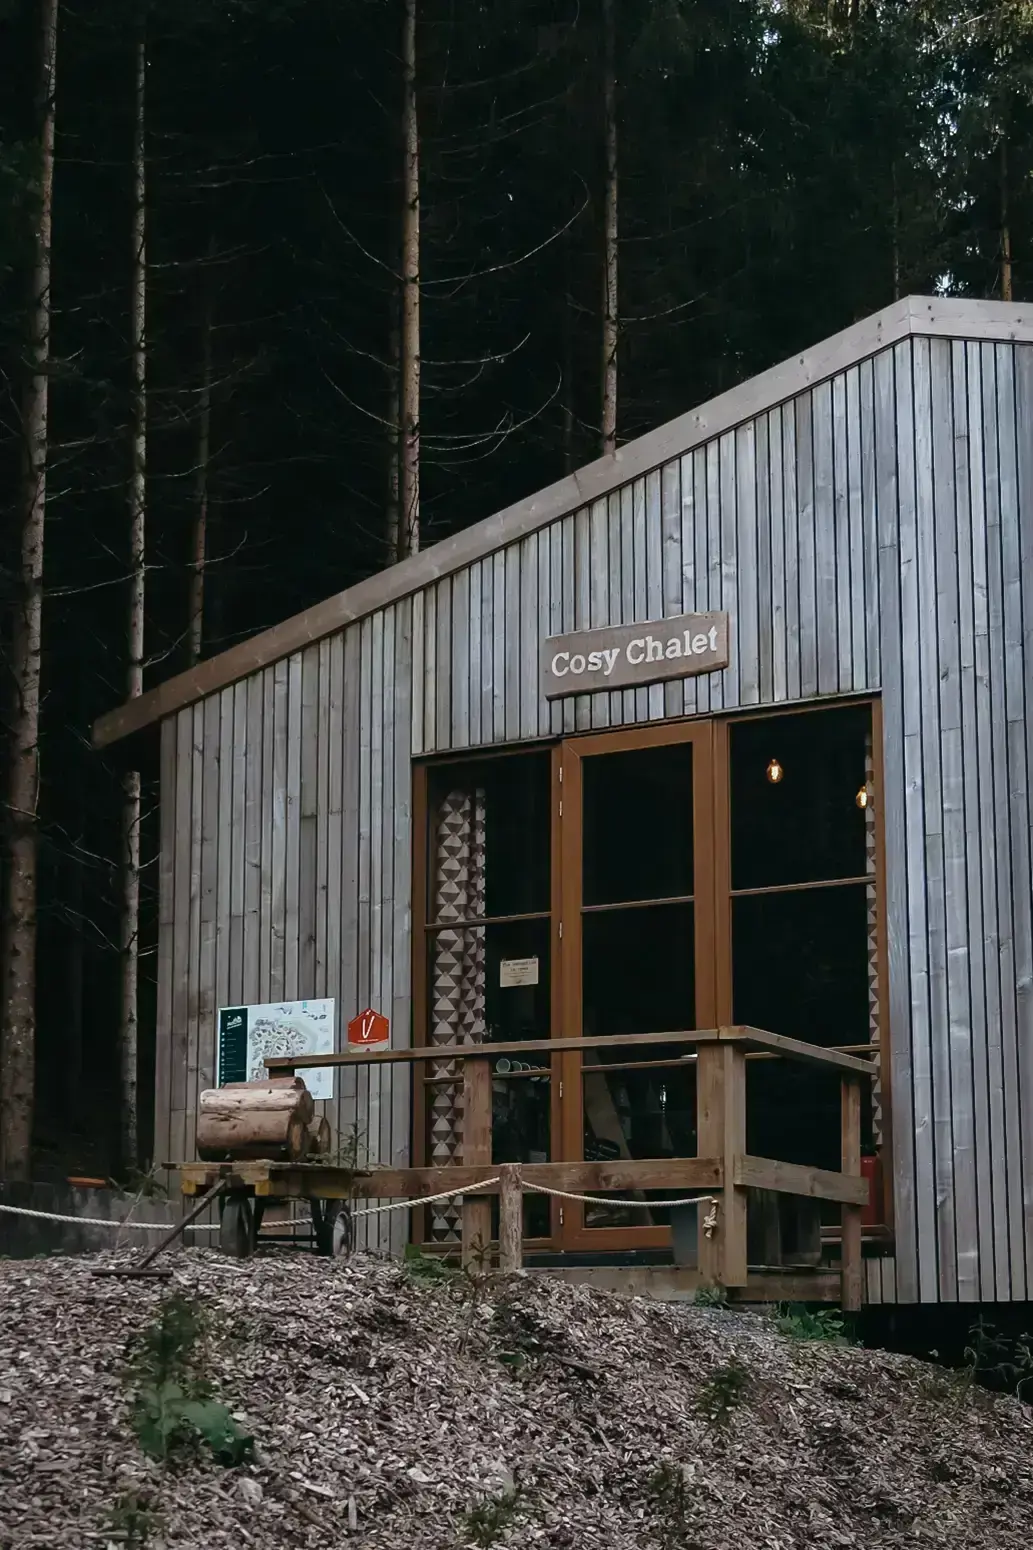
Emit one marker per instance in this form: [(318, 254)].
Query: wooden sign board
[(624, 656), (369, 1028)]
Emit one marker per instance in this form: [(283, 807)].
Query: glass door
[(637, 952)]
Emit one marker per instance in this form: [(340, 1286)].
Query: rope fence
[(709, 1222)]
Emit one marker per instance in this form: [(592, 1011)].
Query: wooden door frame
[(713, 935), (568, 1225)]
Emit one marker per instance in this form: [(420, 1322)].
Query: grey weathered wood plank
[(950, 480), (634, 705), (765, 633), (727, 566), (443, 665), (278, 836), (791, 542), (292, 846), (775, 512), (401, 1003), (308, 821), (204, 877), (568, 582), (499, 680), (912, 626), (844, 423), (598, 596), (933, 483), (430, 670), (322, 841), (255, 801), (488, 651), (654, 574), (582, 573), (226, 755), (528, 636), (419, 673), (168, 791), (474, 647), (234, 988), (747, 564), (885, 488), (869, 519), (711, 455), (542, 716), (671, 560), (185, 917), (459, 671), (349, 962), (1014, 820), (806, 557), (975, 1237), (511, 620), (1023, 828)]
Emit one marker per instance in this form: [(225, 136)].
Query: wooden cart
[(249, 1187)]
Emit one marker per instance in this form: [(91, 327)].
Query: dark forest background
[(784, 169)]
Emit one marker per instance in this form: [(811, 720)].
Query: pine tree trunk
[(130, 924), (567, 328), (409, 537), (609, 406), (1006, 269), (18, 1026), (199, 546), (393, 526)]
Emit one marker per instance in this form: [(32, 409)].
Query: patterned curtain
[(457, 977)]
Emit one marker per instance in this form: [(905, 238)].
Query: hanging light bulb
[(774, 772), (862, 797)]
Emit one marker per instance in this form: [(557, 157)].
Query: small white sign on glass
[(518, 971)]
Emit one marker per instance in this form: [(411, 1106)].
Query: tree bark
[(255, 1119), (1006, 269), (18, 1026), (393, 525), (199, 547), (130, 922), (409, 365), (609, 405)]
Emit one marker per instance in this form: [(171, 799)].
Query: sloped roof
[(915, 315)]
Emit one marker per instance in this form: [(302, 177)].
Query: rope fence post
[(511, 1218)]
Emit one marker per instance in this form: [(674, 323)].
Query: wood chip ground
[(390, 1413)]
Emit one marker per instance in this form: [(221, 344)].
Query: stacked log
[(319, 1136), (270, 1120)]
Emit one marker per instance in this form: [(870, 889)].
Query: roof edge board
[(948, 317)]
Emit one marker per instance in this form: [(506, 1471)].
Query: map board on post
[(247, 1034)]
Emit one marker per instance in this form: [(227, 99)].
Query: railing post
[(851, 1262), (721, 1132), (511, 1218), (476, 1149)]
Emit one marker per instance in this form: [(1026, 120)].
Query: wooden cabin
[(732, 728)]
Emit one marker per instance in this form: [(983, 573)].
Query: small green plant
[(801, 1323), (670, 1493), (425, 1268), (132, 1518), (710, 1297), (172, 1403), (997, 1361), (486, 1522), (726, 1389)]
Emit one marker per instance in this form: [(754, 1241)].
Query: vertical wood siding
[(874, 534)]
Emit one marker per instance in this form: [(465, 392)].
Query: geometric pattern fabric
[(457, 978)]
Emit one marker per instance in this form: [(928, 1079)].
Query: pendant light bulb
[(862, 797), (775, 772)]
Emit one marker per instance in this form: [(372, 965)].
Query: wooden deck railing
[(723, 1167)]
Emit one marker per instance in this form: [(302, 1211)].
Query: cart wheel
[(322, 1226), (235, 1227), (343, 1234)]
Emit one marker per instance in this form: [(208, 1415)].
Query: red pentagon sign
[(369, 1028)]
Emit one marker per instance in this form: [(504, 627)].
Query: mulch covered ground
[(393, 1411)]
